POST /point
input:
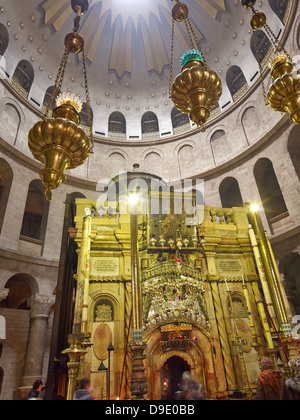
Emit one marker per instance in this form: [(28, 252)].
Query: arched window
[(36, 213), (149, 123), (179, 118), (219, 146), (235, 80), (294, 149), (4, 39), (279, 7), (269, 190), (6, 177), (153, 163), (47, 98), (23, 77), (289, 268), (230, 193), (186, 158), (11, 122), (263, 45), (21, 286), (117, 123), (84, 115), (251, 124)]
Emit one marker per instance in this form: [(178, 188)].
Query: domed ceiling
[(128, 50)]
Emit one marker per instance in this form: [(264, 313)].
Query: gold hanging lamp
[(57, 141), (197, 89), (284, 93)]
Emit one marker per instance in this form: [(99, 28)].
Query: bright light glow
[(133, 199), (254, 208)]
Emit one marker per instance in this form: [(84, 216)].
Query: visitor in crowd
[(34, 393), (84, 391), (293, 383), (271, 384), (189, 389)]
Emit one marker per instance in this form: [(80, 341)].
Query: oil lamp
[(197, 89), (284, 93), (57, 141)]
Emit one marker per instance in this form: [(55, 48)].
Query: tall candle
[(226, 285), (243, 280)]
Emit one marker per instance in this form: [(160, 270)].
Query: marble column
[(34, 358), (3, 296)]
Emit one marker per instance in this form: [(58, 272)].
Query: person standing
[(271, 384), (83, 392), (34, 393), (293, 383)]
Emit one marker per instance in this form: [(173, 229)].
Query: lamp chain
[(171, 59), (276, 42), (88, 102), (58, 82), (193, 38), (260, 66)]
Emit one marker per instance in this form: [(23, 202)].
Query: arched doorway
[(171, 375)]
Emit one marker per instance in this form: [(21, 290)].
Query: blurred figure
[(189, 389), (34, 393), (83, 392), (293, 383), (271, 384)]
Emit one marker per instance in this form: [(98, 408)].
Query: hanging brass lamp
[(57, 141), (284, 93), (197, 89)]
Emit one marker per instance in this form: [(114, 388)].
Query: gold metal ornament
[(60, 144), (57, 141), (197, 89), (284, 93)]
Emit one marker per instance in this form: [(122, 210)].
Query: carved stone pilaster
[(40, 305), (3, 294), (40, 311)]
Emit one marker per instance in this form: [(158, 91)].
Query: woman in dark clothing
[(34, 393)]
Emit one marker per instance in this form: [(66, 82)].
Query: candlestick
[(226, 285)]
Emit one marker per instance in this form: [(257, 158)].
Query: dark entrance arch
[(171, 375)]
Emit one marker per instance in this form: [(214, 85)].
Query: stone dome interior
[(128, 52)]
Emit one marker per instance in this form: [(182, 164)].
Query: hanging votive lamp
[(284, 93), (197, 89), (58, 141)]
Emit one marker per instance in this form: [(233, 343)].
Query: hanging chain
[(260, 66), (273, 38), (276, 42), (192, 37), (189, 32), (58, 82), (87, 95), (171, 59)]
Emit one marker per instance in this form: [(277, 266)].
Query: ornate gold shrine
[(206, 298)]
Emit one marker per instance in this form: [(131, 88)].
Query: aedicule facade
[(210, 300)]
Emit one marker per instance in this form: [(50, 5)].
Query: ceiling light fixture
[(284, 93), (197, 89), (57, 141)]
